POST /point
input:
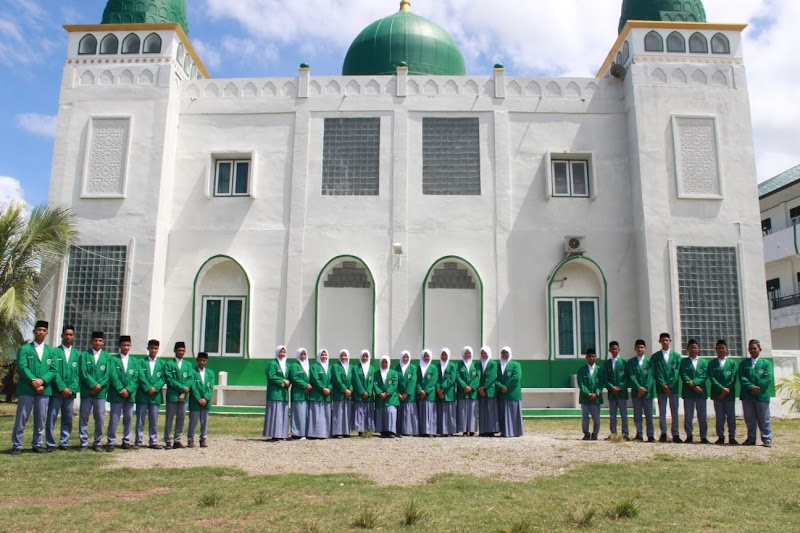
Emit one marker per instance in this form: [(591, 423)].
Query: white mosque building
[(405, 204)]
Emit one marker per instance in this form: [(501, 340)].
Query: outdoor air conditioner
[(574, 244)]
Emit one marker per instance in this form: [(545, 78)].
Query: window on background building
[(94, 292), (708, 281), (451, 156), (570, 178), (351, 156), (653, 42), (88, 45), (232, 177), (766, 226), (794, 215), (131, 44), (152, 44), (676, 43), (720, 44), (109, 45), (698, 44), (774, 288), (223, 325), (576, 326)]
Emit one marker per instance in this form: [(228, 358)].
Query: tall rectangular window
[(576, 326), (223, 325), (451, 156), (94, 293), (351, 156), (570, 178), (794, 215), (232, 177), (766, 226), (710, 309)]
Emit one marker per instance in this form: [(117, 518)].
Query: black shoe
[(168, 446), (190, 444), (51, 449), (594, 436), (733, 442), (626, 438), (651, 439), (64, 448), (688, 440), (720, 441), (83, 449), (768, 444), (677, 440), (156, 447), (177, 445), (38, 449), (662, 438), (704, 441), (110, 448), (125, 446), (586, 436), (749, 443), (203, 443), (137, 446), (98, 448), (639, 438), (16, 451)]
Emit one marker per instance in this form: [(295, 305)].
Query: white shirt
[(67, 350), (641, 359), (152, 365), (722, 361), (694, 362), (665, 354), (203, 376), (96, 356), (614, 363), (178, 362), (124, 358), (591, 370), (39, 350), (753, 361)]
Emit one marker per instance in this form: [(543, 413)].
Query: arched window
[(187, 63), (626, 52), (452, 289), (179, 56), (618, 61), (698, 44), (109, 45), (152, 44), (676, 43), (194, 75), (676, 5), (720, 44), (653, 42), (88, 45), (131, 44)]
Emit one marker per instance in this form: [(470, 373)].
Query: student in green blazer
[(124, 375), (362, 398), (666, 366), (509, 394), (427, 381), (616, 377), (723, 373), (319, 399), (276, 413), (642, 382), (755, 376), (95, 372), (342, 382), (694, 375), (64, 389), (488, 411), (300, 378), (468, 379), (180, 379), (148, 395), (407, 414), (200, 400), (386, 399), (446, 395), (590, 383), (36, 368)]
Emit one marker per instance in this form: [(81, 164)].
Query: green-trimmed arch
[(425, 288)]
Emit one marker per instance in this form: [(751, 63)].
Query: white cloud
[(10, 189), (210, 56), (44, 125)]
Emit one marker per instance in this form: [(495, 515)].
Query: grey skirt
[(386, 419), (276, 420), (363, 416), (510, 418), (488, 416), (467, 416), (319, 420), (407, 419), (340, 417), (300, 418), (427, 417)]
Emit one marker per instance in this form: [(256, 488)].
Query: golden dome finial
[(405, 5)]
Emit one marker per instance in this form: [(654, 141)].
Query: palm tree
[(790, 389), (28, 244)]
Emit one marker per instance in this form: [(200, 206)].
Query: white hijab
[(443, 364), (281, 361), (319, 360), (503, 362), (423, 366), (488, 357), (365, 367), (346, 364), (467, 362), (403, 365), (303, 364), (385, 372)]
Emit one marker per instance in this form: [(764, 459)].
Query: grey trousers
[(622, 407), (97, 408), (643, 405), (690, 406), (55, 407), (149, 411), (25, 406), (725, 410), (756, 415), (195, 417), (125, 411), (174, 409), (674, 403), (592, 410)]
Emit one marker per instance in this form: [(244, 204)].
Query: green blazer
[(666, 372), (511, 379), (275, 377), (341, 380), (299, 380), (30, 368), (591, 384), (148, 380), (93, 374), (320, 380), (760, 376), (177, 380), (699, 377), (641, 376), (428, 382), (447, 381), (489, 377), (362, 384), (202, 390), (390, 386), (723, 377), (616, 377), (407, 383), (464, 377), (67, 371), (122, 380)]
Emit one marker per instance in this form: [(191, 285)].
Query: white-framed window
[(570, 178), (88, 45), (232, 177), (720, 44), (223, 323), (576, 326), (653, 42)]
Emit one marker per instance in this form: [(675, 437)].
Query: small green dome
[(426, 47), (146, 11), (664, 10)]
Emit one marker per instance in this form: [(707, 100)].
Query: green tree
[(29, 244), (790, 390)]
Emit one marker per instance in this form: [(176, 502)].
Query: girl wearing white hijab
[(300, 376), (342, 382), (407, 419), (276, 416), (488, 412), (446, 395), (363, 388), (319, 399), (427, 380), (386, 399), (509, 393), (467, 381)]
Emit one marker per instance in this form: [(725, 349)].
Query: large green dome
[(424, 46), (146, 11), (667, 10)]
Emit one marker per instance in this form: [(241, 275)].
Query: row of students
[(335, 399), (660, 376), (51, 378)]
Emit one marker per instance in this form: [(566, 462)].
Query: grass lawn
[(76, 492)]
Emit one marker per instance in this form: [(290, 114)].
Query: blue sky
[(262, 38)]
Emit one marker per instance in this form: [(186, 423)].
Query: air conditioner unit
[(574, 244)]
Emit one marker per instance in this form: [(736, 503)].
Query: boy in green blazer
[(179, 376), (666, 366), (200, 400), (755, 376), (723, 373), (36, 371), (124, 376), (616, 376), (640, 376), (95, 371), (64, 388), (148, 395), (590, 383), (694, 374)]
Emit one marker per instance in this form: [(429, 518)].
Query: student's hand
[(348, 393), (440, 394), (690, 383), (467, 389), (403, 396), (755, 390), (202, 402), (97, 388), (698, 388), (642, 392), (365, 395), (152, 391), (383, 395), (592, 396), (615, 389), (124, 393), (39, 390), (308, 388), (36, 383), (503, 390), (422, 394), (286, 383), (180, 398), (66, 393), (185, 390), (326, 392), (481, 392)]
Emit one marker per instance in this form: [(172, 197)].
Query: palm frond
[(789, 389)]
